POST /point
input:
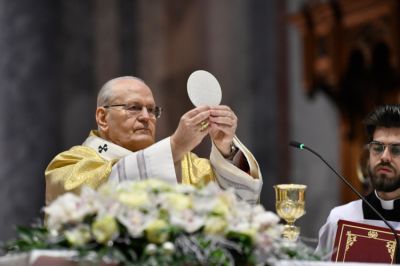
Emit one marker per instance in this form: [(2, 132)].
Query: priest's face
[(131, 126), (384, 161)]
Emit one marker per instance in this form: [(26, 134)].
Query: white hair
[(106, 93)]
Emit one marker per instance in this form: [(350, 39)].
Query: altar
[(46, 258), (66, 258)]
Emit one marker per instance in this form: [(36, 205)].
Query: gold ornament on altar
[(290, 206)]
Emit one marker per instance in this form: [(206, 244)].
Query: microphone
[(301, 146)]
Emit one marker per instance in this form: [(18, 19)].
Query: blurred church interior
[(291, 70)]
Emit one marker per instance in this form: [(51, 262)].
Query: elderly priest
[(124, 147)]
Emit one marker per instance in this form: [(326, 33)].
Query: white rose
[(263, 220), (67, 208)]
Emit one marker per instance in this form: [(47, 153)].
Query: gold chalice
[(290, 207)]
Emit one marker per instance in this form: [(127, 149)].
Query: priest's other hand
[(193, 127), (223, 124)]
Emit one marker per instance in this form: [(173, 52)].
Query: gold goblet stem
[(291, 232)]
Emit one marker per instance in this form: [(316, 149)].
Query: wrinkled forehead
[(132, 91)]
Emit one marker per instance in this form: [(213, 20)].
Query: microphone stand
[(304, 147)]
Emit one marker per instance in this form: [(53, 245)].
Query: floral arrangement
[(154, 223)]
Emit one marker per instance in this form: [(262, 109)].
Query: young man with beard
[(383, 129)]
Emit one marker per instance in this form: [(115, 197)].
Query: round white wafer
[(203, 89)]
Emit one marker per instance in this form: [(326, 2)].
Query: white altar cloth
[(46, 258), (63, 258)]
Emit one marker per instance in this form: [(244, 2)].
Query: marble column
[(28, 107)]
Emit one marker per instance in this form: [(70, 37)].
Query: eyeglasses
[(377, 148), (134, 110)]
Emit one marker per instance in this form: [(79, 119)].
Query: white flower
[(104, 229), (137, 199), (211, 189), (202, 205), (266, 219), (265, 239), (157, 231), (187, 220), (78, 236), (67, 208), (134, 221), (184, 189), (147, 185), (176, 201), (215, 225)]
